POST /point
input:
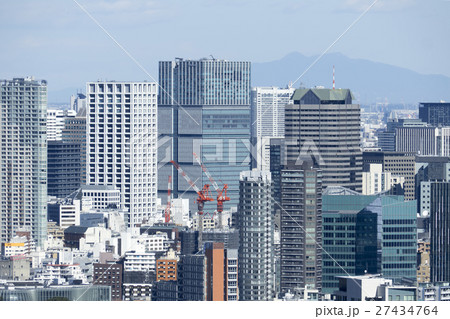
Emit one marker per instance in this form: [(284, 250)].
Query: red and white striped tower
[(334, 83)]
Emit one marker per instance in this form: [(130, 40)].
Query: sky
[(58, 41)]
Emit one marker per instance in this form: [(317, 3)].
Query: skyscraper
[(256, 231), (301, 227), (325, 124), (439, 231), (376, 234), (63, 168), (24, 158), (55, 123), (268, 105), (436, 114), (74, 131), (121, 134), (203, 107)]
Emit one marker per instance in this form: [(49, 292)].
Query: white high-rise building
[(23, 176), (268, 110), (55, 123), (122, 143)]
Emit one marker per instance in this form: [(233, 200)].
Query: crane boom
[(213, 183), (167, 210), (183, 173)]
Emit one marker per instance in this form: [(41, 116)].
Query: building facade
[(256, 232), (399, 164), (122, 139), (203, 107), (74, 131), (439, 231), (301, 227), (63, 168), (368, 234), (23, 113), (436, 114), (325, 124), (267, 107)]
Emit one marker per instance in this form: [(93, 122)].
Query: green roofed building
[(324, 124), (373, 234)]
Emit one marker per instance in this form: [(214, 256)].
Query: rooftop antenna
[(334, 83)]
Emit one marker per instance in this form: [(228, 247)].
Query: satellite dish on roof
[(425, 213)]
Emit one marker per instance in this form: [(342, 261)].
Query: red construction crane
[(204, 195), (221, 194), (167, 210)]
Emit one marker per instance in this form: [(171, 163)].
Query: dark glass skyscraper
[(203, 107), (436, 114), (439, 231)]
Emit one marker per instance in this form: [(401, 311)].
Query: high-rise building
[(372, 234), (221, 272), (122, 138), (439, 231), (325, 124), (63, 168), (74, 131), (77, 102), (55, 123), (417, 140), (436, 114), (203, 107), (301, 227), (23, 114), (256, 232), (267, 107)]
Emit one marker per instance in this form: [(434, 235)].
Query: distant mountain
[(370, 82)]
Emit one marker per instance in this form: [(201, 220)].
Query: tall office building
[(325, 124), (63, 168), (256, 232), (417, 140), (301, 227), (55, 123), (74, 131), (203, 107), (373, 234), (267, 110), (387, 137), (436, 114), (122, 138), (439, 197), (24, 158)]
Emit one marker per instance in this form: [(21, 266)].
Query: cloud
[(381, 5)]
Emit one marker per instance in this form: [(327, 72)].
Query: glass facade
[(87, 293), (368, 234), (203, 107)]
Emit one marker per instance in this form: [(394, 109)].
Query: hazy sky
[(55, 40)]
